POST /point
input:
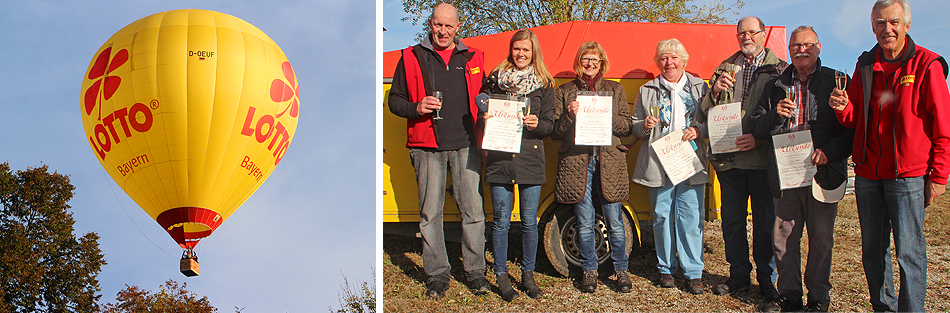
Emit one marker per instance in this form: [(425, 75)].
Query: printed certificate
[(594, 124), (793, 157), (725, 125), (678, 158), (503, 129)]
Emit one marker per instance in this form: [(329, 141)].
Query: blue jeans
[(885, 206), (502, 200), (431, 167), (737, 186), (678, 227), (584, 212)]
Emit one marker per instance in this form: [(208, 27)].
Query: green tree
[(357, 298), (43, 266), (171, 298), (481, 17)]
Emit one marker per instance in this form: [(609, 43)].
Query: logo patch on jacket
[(907, 80), (475, 70)]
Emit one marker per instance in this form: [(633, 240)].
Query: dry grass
[(403, 278)]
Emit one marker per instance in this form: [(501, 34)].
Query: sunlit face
[(671, 66), (442, 27), (591, 64), (889, 28), (521, 53), (751, 37), (803, 48)]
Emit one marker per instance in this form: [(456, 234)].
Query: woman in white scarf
[(667, 103), (522, 74)]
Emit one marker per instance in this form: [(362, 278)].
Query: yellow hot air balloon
[(189, 111)]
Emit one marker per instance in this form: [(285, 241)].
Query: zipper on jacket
[(893, 127)]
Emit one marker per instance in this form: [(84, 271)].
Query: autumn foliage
[(44, 267), (171, 298)]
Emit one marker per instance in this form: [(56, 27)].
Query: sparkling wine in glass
[(841, 79), (734, 70), (791, 92), (437, 94)]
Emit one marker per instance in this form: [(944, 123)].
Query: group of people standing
[(892, 118)]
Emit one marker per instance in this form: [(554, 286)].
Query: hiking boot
[(623, 282), (731, 286), (436, 288), (781, 303), (768, 292), (479, 285), (695, 286), (816, 307), (589, 281), (770, 306), (504, 287), (530, 287), (666, 281)]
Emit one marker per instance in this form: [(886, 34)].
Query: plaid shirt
[(748, 67), (802, 113)]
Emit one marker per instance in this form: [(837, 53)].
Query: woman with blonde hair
[(522, 74), (668, 103), (586, 171)]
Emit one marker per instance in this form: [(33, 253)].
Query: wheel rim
[(569, 241)]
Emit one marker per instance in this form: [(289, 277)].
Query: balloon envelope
[(189, 111)]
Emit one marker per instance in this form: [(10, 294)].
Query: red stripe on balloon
[(202, 216)]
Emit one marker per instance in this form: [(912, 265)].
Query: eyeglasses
[(806, 45), (749, 33), (594, 61)]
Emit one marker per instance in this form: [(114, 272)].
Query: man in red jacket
[(899, 105), (442, 137)]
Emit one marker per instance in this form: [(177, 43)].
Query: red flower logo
[(282, 92), (111, 83)]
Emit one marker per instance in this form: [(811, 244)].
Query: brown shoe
[(623, 282), (589, 281), (695, 286), (666, 281)]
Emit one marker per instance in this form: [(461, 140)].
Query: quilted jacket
[(572, 161)]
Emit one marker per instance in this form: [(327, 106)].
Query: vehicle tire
[(560, 245)]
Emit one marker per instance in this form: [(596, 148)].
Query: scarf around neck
[(591, 80), (681, 89), (524, 80)]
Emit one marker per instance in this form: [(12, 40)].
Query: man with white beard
[(743, 174)]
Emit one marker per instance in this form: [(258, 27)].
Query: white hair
[(886, 3)]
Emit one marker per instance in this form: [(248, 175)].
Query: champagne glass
[(437, 94), (733, 70), (654, 112), (791, 92), (525, 110), (841, 79)]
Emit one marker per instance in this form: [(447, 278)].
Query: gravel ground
[(404, 288)]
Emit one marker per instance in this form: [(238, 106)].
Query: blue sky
[(843, 26), (287, 248)]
